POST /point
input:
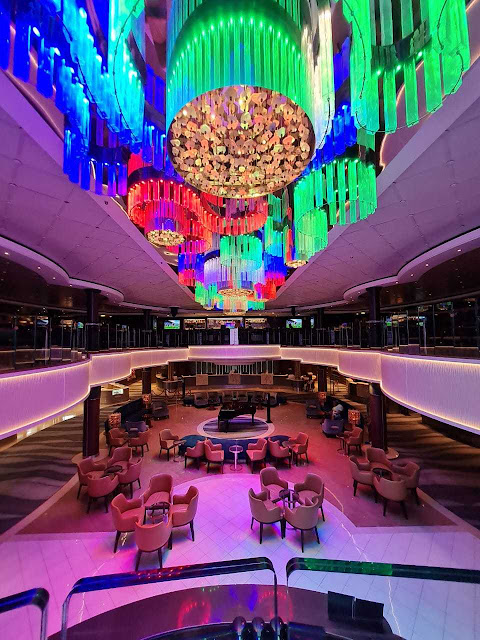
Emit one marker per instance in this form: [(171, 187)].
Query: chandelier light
[(233, 216)]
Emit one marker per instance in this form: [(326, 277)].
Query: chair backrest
[(122, 454), (150, 537), (302, 438), (356, 436), (375, 454), (269, 475), (98, 487), (198, 449), (166, 434), (275, 447), (160, 482), (116, 432), (192, 500), (260, 444), (391, 489), (314, 483), (140, 425), (132, 473), (84, 467), (303, 516), (142, 438), (119, 504)]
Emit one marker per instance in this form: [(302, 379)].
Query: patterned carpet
[(35, 468)]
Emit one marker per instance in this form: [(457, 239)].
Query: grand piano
[(231, 410)]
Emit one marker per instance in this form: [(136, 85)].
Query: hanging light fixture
[(389, 40), (233, 216), (247, 125)]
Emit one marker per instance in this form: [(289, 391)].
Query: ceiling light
[(454, 184), (39, 267), (53, 278), (411, 275), (6, 253), (459, 250)]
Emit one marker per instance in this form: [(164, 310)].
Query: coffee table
[(289, 497), (235, 449), (164, 506), (381, 472), (115, 468)]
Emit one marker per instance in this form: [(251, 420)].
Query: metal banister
[(37, 597), (420, 572), (135, 578)]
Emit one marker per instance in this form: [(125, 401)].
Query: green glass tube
[(341, 191), (390, 100), (352, 189)]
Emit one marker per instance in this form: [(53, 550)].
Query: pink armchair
[(361, 474), (354, 438), (378, 459), (299, 446), (214, 454), (131, 475), (394, 490), (121, 457), (152, 537), (159, 490), (88, 467), (195, 453), (263, 510), (167, 441), (125, 514), (257, 452), (100, 488), (271, 482), (116, 437), (184, 508), (303, 517), (313, 487), (141, 440), (277, 452), (408, 471)]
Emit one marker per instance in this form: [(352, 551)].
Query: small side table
[(235, 449)]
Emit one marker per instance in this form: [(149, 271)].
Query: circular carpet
[(239, 427)]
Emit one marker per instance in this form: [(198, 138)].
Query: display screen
[(294, 323), (194, 323), (312, 321), (171, 324), (256, 323), (230, 323)]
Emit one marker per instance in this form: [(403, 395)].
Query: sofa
[(333, 427), (313, 408)]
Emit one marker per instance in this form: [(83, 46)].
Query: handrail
[(421, 572), (38, 597), (135, 578)]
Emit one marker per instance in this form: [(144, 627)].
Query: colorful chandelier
[(233, 217), (247, 124)]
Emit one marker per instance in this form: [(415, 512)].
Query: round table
[(288, 496), (114, 468), (381, 472), (235, 449)]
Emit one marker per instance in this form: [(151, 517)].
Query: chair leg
[(375, 495), (306, 456), (192, 531), (283, 527), (208, 466), (137, 563), (185, 462), (106, 504), (323, 515), (89, 504), (139, 485), (79, 489), (131, 490), (355, 485), (385, 502), (415, 493), (168, 455), (251, 524), (261, 532), (117, 538), (404, 509), (160, 558), (301, 538), (170, 541), (318, 538)]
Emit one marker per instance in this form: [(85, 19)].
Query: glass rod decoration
[(389, 39)]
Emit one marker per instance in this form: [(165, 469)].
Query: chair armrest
[(251, 446), (292, 441), (363, 466), (180, 499), (300, 486), (216, 447), (398, 467), (283, 483), (136, 503), (99, 466)]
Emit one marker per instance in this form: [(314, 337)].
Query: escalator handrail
[(135, 578), (38, 597)]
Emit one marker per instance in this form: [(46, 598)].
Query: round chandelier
[(242, 94)]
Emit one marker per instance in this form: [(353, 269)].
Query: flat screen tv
[(171, 324), (294, 323)]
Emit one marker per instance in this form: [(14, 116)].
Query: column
[(375, 326), (322, 378), (147, 328), (146, 380), (297, 370), (92, 326), (377, 427), (91, 422)]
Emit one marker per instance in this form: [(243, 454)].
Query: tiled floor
[(418, 611)]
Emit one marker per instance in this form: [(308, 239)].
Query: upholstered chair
[(121, 457), (152, 537), (394, 490), (257, 398), (159, 490), (272, 483), (410, 472), (242, 396), (227, 396), (257, 452), (214, 454), (354, 438), (361, 474), (299, 446), (88, 467), (200, 399), (116, 437), (140, 441), (195, 453), (278, 452), (263, 510), (184, 508), (303, 517), (378, 459), (100, 488), (125, 514), (312, 487), (167, 441), (129, 476)]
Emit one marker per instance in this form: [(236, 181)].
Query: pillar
[(321, 318), (146, 380), (147, 328), (91, 422), (374, 319), (297, 368), (92, 325), (322, 378), (170, 371), (269, 419), (377, 427)]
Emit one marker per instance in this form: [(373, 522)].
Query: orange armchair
[(304, 517), (195, 453), (313, 487), (391, 490), (167, 441), (130, 475), (125, 514), (299, 446), (100, 488), (184, 508), (354, 438), (378, 459), (361, 474), (121, 457), (271, 482), (263, 510), (116, 437), (141, 440), (408, 471), (214, 454), (257, 452), (277, 452), (152, 537), (159, 490), (88, 467)]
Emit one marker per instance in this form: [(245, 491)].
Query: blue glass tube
[(5, 13)]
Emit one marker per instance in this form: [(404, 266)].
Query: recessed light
[(458, 250), (411, 275), (6, 253), (396, 281), (39, 267), (454, 184), (53, 278), (426, 264)]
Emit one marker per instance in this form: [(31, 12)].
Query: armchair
[(214, 454), (88, 467), (120, 457), (125, 514), (184, 508), (141, 440), (299, 446), (278, 452), (152, 537), (201, 399), (257, 452), (361, 474), (354, 438), (313, 408), (167, 441), (303, 517), (408, 471), (263, 510), (100, 488), (395, 490), (159, 490), (378, 459), (332, 427), (271, 482), (313, 487), (116, 437), (195, 453), (131, 475)]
